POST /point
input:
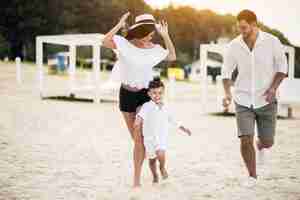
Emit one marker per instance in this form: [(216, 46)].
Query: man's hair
[(156, 83), (247, 15)]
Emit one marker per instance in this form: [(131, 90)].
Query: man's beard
[(248, 35)]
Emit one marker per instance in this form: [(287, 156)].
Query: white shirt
[(134, 65), (156, 121), (256, 68)]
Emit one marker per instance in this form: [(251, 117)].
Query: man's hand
[(270, 94), (227, 100)]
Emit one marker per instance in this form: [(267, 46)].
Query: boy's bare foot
[(164, 173)]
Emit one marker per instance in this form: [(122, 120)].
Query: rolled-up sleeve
[(280, 59), (229, 63), (174, 122)]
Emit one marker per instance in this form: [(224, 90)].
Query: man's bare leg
[(161, 156), (248, 154), (153, 168), (264, 144)]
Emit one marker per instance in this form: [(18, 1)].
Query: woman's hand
[(108, 38), (163, 29)]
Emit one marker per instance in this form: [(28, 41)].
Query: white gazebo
[(72, 41)]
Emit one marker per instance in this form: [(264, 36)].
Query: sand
[(73, 150)]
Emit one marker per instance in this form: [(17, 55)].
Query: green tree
[(22, 20)]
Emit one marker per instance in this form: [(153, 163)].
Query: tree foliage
[(22, 20)]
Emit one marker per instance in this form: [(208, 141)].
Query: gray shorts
[(265, 118)]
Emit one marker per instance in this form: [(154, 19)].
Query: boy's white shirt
[(156, 124)]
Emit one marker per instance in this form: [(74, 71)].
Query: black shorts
[(129, 101)]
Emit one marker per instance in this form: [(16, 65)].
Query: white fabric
[(156, 121), (256, 68), (134, 65), (142, 23)]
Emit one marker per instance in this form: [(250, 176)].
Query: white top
[(134, 65), (156, 121), (256, 68)]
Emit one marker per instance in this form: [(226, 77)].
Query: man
[(261, 65)]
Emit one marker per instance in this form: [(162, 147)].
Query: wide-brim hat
[(143, 19)]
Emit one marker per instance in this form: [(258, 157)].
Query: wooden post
[(290, 112), (96, 69), (203, 75), (72, 69), (18, 70), (39, 63)]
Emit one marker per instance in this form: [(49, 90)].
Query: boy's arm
[(139, 119), (186, 130), (178, 125)]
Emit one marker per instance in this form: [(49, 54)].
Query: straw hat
[(143, 19)]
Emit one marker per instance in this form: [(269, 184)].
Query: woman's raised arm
[(108, 38), (164, 32)]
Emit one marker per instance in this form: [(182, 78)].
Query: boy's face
[(156, 94)]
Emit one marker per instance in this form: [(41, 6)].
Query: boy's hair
[(247, 15), (156, 83)]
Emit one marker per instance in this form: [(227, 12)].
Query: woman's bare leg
[(139, 149), (129, 120), (153, 168)]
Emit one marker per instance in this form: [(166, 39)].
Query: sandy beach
[(51, 150)]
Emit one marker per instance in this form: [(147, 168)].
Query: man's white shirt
[(256, 68)]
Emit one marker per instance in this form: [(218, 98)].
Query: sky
[(279, 14)]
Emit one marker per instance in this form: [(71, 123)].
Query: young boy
[(154, 119)]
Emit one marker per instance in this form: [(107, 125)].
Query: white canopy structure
[(72, 41), (287, 91)]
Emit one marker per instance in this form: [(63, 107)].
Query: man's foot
[(164, 173)]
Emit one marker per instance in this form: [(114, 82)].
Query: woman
[(137, 55)]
